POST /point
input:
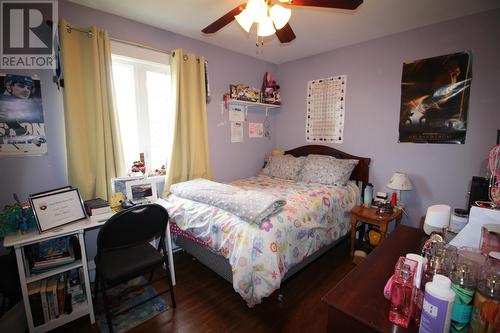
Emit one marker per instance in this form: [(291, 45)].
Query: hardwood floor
[(207, 303)]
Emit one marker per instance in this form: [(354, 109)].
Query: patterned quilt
[(260, 255)]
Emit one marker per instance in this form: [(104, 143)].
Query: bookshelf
[(27, 278), (54, 271)]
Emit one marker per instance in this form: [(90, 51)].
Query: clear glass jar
[(486, 312)]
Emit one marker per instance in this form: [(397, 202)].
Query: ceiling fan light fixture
[(280, 15), (244, 20), (266, 27), (256, 10)]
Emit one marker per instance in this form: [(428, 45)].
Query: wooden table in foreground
[(357, 303)]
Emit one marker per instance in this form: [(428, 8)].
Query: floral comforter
[(260, 255)]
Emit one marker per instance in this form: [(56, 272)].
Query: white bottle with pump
[(438, 305)]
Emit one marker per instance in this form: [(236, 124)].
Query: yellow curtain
[(93, 142), (190, 153)]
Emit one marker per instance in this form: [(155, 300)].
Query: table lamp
[(399, 182), (437, 218)]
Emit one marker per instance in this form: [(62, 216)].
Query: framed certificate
[(56, 190), (57, 207)]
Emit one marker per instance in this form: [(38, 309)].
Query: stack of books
[(98, 210), (49, 254), (52, 297)]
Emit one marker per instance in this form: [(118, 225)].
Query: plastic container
[(458, 220), (368, 195), (438, 305)]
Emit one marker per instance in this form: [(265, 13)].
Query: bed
[(257, 258)]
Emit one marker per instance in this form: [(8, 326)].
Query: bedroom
[(439, 173)]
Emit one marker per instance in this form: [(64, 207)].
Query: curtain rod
[(139, 45), (89, 33)]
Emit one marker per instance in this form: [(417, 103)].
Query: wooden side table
[(369, 215)]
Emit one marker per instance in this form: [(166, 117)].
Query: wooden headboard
[(360, 172)]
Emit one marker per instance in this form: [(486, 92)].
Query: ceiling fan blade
[(224, 20), (341, 4), (285, 34)]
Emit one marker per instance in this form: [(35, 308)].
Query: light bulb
[(257, 10), (244, 20), (266, 27), (280, 15)]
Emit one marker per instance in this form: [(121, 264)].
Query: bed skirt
[(221, 266)]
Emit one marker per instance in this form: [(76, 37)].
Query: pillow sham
[(285, 166), (327, 170)]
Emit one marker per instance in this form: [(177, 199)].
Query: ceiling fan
[(273, 18)]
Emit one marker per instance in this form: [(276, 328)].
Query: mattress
[(260, 256)]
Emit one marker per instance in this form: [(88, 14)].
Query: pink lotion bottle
[(402, 292)]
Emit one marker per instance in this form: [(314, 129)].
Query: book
[(102, 217), (75, 287), (36, 302), (52, 297), (61, 292), (43, 296), (51, 247), (101, 210), (40, 264), (92, 205)]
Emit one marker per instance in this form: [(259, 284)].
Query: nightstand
[(369, 215)]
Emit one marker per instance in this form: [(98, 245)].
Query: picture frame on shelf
[(140, 191), (57, 208)]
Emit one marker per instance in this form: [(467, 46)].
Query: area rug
[(124, 296)]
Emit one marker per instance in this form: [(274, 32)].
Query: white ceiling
[(317, 29)]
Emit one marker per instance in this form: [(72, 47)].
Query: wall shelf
[(246, 104)]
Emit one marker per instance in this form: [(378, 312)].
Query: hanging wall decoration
[(325, 109), (435, 99), (22, 126)]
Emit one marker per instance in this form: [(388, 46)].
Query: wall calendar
[(325, 109)]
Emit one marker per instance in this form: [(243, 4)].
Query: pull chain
[(259, 43)]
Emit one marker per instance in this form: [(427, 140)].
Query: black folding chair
[(124, 251)]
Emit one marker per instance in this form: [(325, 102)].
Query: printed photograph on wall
[(22, 126), (435, 99)]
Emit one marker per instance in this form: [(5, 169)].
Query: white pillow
[(327, 170), (285, 166)]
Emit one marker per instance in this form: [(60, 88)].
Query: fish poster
[(22, 126), (435, 99)]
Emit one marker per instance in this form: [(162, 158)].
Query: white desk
[(18, 241)]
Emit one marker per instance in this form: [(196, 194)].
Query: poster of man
[(22, 127), (435, 99)]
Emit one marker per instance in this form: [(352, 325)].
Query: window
[(142, 91)]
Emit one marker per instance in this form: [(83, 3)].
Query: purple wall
[(224, 67), (440, 173), (229, 161)]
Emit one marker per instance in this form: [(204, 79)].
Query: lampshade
[(399, 181), (244, 20), (256, 10), (437, 218), (266, 27), (280, 15)]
